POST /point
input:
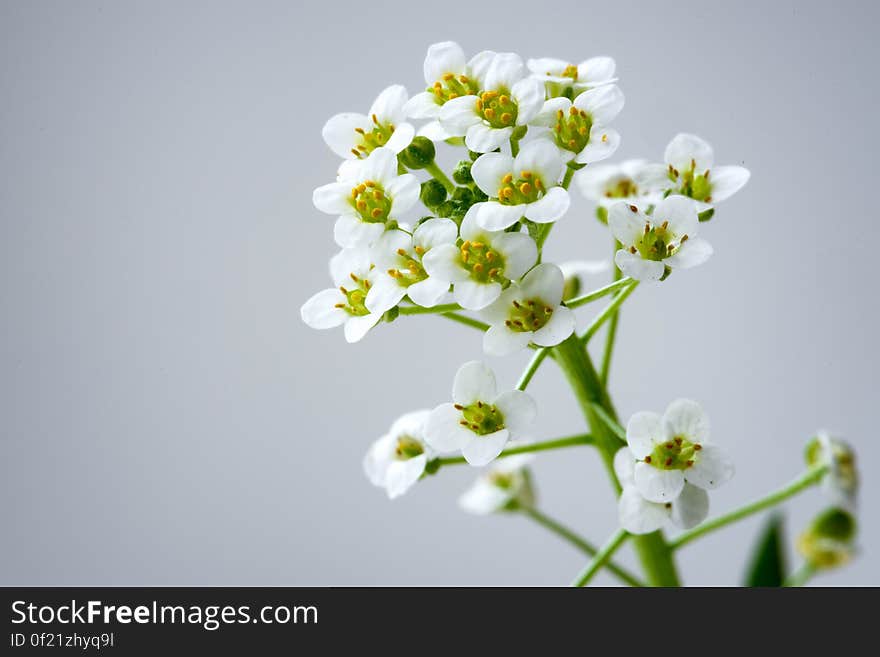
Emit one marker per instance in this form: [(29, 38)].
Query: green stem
[(580, 543), (575, 363), (532, 367), (598, 294), (612, 424), (514, 147), (419, 310), (467, 321), (603, 555), (569, 174), (606, 314), (801, 576), (807, 479), (605, 369), (556, 443), (437, 172)]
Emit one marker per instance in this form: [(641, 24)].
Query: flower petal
[(488, 170), (500, 341), (544, 281), (596, 70), (547, 66), (549, 111), (435, 232), (404, 193), (542, 158), (680, 212), (686, 419), (320, 311), (357, 327), (636, 267), (549, 208), (401, 475), (444, 57), (691, 507), (603, 103), (422, 106), (484, 498), (474, 381), (658, 485), (529, 96), (427, 293), (624, 467), (519, 411), (639, 516), (690, 254), (349, 231), (643, 431), (481, 138), (333, 198), (519, 250), (685, 148), (459, 114), (504, 72), (602, 145), (443, 431), (340, 134), (479, 64), (443, 263), (711, 469), (560, 326), (482, 450), (401, 137), (494, 216), (388, 106), (727, 181), (475, 296), (626, 224), (434, 131), (384, 294)]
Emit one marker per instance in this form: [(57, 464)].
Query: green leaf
[(767, 565)]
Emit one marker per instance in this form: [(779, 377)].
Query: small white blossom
[(483, 262), (367, 194), (507, 99), (398, 259), (690, 171), (449, 75), (672, 450), (639, 516), (529, 311), (504, 482), (560, 74), (841, 484), (479, 422), (665, 238), (397, 460), (355, 136), (353, 274), (632, 181), (525, 186), (580, 128)]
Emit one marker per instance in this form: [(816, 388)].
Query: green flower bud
[(433, 193), (419, 154), (462, 173), (463, 195), (828, 542)]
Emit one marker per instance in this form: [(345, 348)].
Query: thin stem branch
[(580, 543), (609, 310), (605, 368), (444, 180), (598, 294), (801, 576), (467, 321), (610, 422), (807, 479), (603, 555), (556, 443), (434, 310), (569, 174), (532, 367)]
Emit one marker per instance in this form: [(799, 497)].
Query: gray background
[(166, 417)]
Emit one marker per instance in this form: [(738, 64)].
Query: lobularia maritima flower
[(482, 264), (398, 256), (522, 187), (529, 311), (841, 484), (397, 460), (634, 182), (560, 75), (672, 450), (508, 99), (355, 136), (503, 486), (368, 194), (479, 422), (651, 243), (353, 274)]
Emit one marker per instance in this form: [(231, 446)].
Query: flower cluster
[(418, 239)]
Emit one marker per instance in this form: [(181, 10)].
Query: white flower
[(367, 194), (691, 172), (448, 75), (665, 238), (560, 74), (639, 516), (400, 272), (841, 484), (674, 449), (484, 261), (505, 482), (352, 135), (579, 129), (479, 422), (345, 304), (397, 460), (521, 186), (507, 99), (632, 181), (529, 311)]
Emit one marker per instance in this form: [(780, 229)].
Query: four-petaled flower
[(507, 99), (366, 196), (505, 484), (353, 274), (632, 181), (560, 74), (397, 460), (355, 136), (529, 311), (579, 129), (398, 259), (482, 263), (672, 450), (666, 238), (525, 186), (479, 421)]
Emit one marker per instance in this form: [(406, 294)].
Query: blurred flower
[(560, 75), (397, 460), (829, 541), (842, 481), (503, 486), (355, 136), (632, 181)]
